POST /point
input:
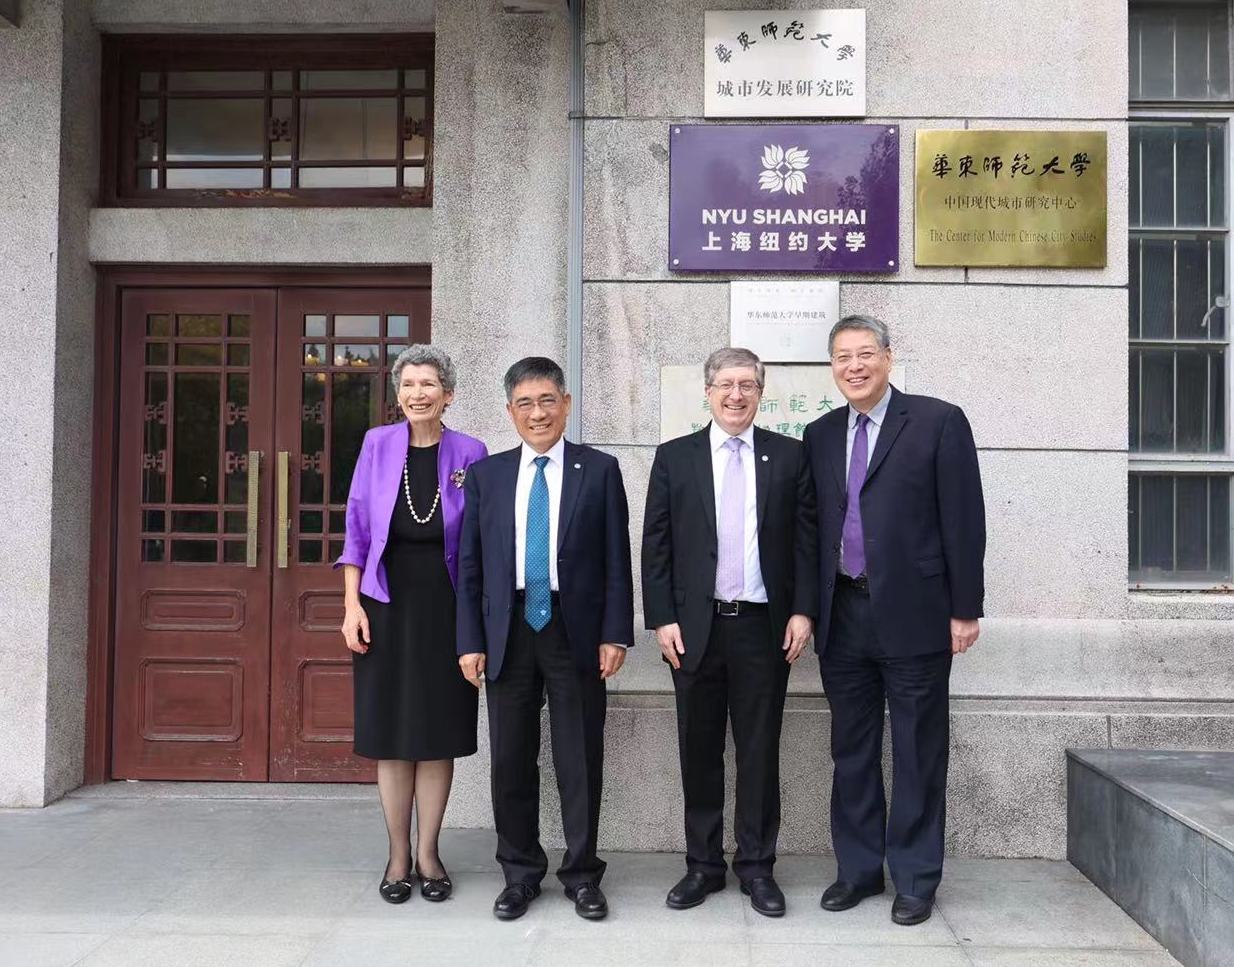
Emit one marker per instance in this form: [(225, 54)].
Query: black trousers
[(858, 676), (743, 674), (535, 662)]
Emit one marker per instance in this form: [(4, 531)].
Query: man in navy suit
[(901, 528), (545, 603)]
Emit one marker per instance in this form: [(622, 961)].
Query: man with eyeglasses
[(545, 604), (730, 586), (901, 532)]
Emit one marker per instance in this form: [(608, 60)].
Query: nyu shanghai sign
[(784, 198), (784, 63)]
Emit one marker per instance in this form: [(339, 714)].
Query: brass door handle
[(250, 531), (284, 523)]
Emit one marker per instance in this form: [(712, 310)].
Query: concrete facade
[(1038, 359)]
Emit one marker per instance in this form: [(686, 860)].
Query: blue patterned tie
[(537, 591)]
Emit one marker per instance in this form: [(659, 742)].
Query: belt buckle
[(728, 609)]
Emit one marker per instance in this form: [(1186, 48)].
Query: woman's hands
[(355, 628)]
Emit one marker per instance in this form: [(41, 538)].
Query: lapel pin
[(764, 458), (578, 466)]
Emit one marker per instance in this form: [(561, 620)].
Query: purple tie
[(854, 559), (731, 565)]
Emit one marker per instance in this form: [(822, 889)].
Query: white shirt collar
[(876, 415), (719, 437), (556, 454)]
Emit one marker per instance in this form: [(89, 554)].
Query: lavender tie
[(854, 558), (731, 566)]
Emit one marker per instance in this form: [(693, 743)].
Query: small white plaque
[(794, 397), (783, 322), (784, 63)]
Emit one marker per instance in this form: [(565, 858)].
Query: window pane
[(352, 354), (358, 80), (348, 129), (1156, 399), (1192, 287), (1157, 289), (1195, 402), (195, 460), (356, 407), (1216, 174), (148, 130), (413, 177), (347, 177), (1133, 173), (1179, 51), (414, 80), (353, 326), (214, 178), (1156, 55), (1133, 287), (280, 129), (215, 129), (1178, 527), (1157, 174), (1192, 175), (216, 80)]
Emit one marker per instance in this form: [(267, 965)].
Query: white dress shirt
[(553, 471), (876, 415), (720, 455)]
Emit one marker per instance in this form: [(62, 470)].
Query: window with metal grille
[(268, 120), (1179, 511)]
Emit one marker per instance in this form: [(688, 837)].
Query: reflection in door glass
[(195, 457), (154, 454), (356, 406), (313, 438)]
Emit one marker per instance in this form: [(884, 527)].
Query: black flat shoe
[(842, 895), (513, 901), (908, 911), (397, 891), (589, 902), (765, 895), (692, 889), (435, 888)]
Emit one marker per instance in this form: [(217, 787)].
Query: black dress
[(412, 701)]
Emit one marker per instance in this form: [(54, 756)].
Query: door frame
[(111, 281)]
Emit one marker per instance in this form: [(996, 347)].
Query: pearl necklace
[(407, 493)]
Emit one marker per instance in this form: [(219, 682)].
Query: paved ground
[(133, 882)]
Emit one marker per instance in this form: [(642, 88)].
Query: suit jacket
[(922, 515), (593, 557), (376, 484), (680, 543)]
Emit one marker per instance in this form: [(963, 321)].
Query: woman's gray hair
[(864, 323), (729, 357), (422, 354)]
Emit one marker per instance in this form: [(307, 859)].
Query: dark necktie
[(854, 538)]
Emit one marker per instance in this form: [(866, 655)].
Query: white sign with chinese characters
[(794, 397), (784, 63), (783, 322)]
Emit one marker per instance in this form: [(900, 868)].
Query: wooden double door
[(241, 414)]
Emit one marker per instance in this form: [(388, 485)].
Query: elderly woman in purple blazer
[(415, 713)]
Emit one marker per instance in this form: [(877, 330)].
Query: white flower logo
[(784, 169)]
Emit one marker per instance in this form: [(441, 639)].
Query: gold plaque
[(1011, 198)]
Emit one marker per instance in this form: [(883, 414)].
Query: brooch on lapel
[(457, 478)]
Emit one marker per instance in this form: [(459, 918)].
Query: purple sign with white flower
[(784, 198)]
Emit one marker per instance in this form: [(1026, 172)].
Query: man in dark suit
[(901, 534), (729, 584), (545, 603)]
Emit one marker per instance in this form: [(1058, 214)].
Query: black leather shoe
[(589, 902), (397, 891), (435, 888), (692, 889), (765, 895), (512, 902), (842, 895), (908, 911)]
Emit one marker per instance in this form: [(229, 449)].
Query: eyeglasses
[(544, 402), (748, 387), (865, 357)]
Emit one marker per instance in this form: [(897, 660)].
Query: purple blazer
[(376, 485)]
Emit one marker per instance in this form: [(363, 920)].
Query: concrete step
[(1155, 831)]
